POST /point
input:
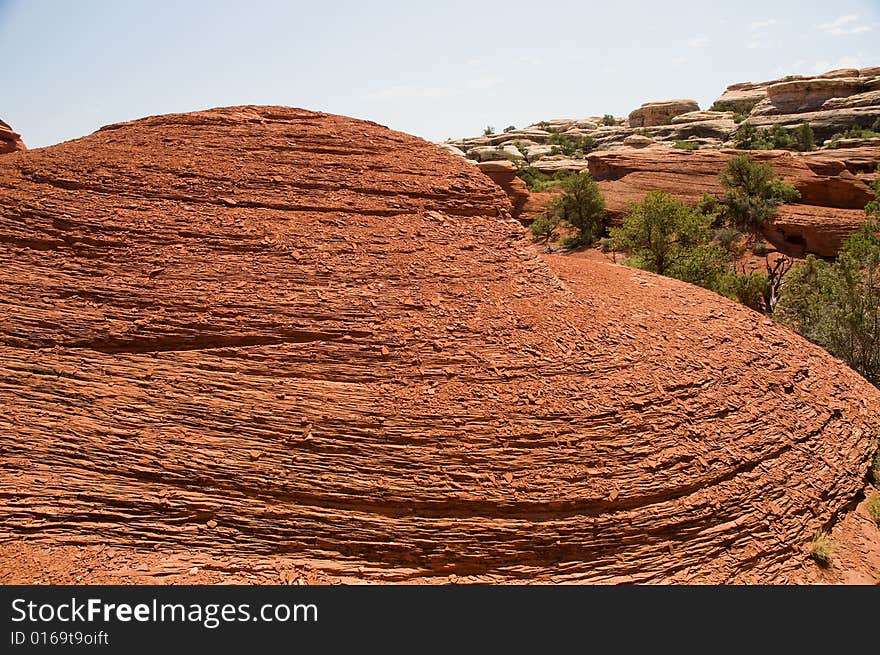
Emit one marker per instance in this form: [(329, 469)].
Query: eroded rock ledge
[(268, 332)]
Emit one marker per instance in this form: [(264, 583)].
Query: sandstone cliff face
[(831, 103), (271, 332), (651, 114), (503, 173), (10, 141), (832, 184)]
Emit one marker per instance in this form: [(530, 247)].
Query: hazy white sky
[(434, 69)]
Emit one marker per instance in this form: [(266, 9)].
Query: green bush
[(535, 180), (743, 108), (705, 265), (711, 207), (751, 289), (687, 145), (728, 238), (606, 244), (657, 231), (489, 130), (581, 205), (571, 145), (609, 120), (749, 137), (837, 305), (804, 138), (873, 506), (753, 193), (858, 132), (509, 128), (873, 207), (545, 226)]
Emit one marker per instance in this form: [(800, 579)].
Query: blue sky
[(434, 69)]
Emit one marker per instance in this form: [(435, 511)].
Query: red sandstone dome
[(263, 332)]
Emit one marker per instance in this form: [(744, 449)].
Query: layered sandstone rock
[(9, 141), (496, 153), (503, 173), (263, 334), (832, 185), (638, 141), (831, 103), (660, 113)]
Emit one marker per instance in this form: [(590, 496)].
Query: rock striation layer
[(262, 331)]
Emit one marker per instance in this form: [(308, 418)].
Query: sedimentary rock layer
[(262, 332), (832, 183)]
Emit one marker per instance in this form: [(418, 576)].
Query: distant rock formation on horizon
[(676, 147)]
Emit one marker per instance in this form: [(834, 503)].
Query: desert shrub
[(704, 264), (858, 132), (686, 145), (821, 549), (711, 207), (760, 249), (535, 180), (543, 125), (802, 301), (753, 193), (606, 244), (749, 137), (665, 236), (804, 138), (873, 207), (751, 289), (545, 226), (509, 128), (778, 137), (728, 238), (658, 230), (489, 130), (742, 108), (837, 306), (571, 145), (873, 506), (519, 145), (581, 205), (609, 120), (875, 469)]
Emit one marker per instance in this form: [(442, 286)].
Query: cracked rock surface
[(257, 333)]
